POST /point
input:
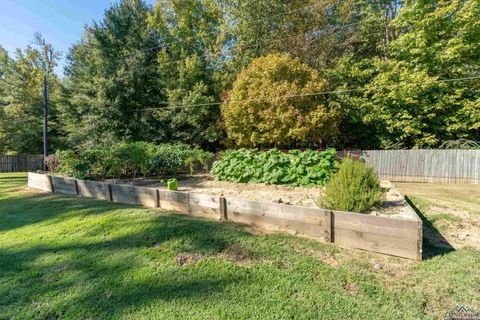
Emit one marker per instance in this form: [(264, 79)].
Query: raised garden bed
[(394, 234), (393, 206)]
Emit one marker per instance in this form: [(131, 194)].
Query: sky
[(61, 22)]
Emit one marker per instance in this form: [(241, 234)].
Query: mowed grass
[(452, 212), (74, 258), (451, 196)]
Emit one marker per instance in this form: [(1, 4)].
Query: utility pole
[(45, 121)]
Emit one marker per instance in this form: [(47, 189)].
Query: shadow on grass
[(14, 178), (13, 208), (110, 276), (434, 243)]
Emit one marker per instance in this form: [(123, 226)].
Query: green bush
[(166, 160), (297, 168), (136, 157), (66, 162), (354, 187), (129, 159), (169, 158)]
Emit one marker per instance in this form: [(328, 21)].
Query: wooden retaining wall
[(93, 189), (40, 182), (128, 194), (64, 185), (392, 236)]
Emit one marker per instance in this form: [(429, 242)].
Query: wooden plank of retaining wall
[(64, 185), (392, 227), (406, 248), (146, 197), (40, 181), (379, 234), (309, 222), (174, 200), (93, 189), (206, 206)]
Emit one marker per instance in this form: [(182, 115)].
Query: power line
[(309, 94)]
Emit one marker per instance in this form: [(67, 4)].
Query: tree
[(190, 64), (21, 100), (271, 105), (112, 76), (405, 101)]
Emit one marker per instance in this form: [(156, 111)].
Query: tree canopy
[(266, 106), (398, 73)]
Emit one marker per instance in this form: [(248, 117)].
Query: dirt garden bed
[(393, 206)]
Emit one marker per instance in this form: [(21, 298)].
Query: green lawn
[(73, 258)]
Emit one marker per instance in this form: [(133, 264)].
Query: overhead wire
[(342, 91)]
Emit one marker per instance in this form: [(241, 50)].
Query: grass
[(74, 258), (452, 212), (463, 197)]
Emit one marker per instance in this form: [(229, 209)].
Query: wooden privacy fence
[(435, 166), (21, 163), (392, 236)]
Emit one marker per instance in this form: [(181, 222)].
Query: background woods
[(182, 70)]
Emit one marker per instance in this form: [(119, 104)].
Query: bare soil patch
[(185, 258)]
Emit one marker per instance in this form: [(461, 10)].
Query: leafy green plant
[(136, 156), (166, 160), (297, 168), (354, 187), (169, 158), (130, 159), (66, 162)]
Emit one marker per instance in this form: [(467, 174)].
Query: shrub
[(136, 157), (102, 163), (169, 158), (66, 162), (253, 116), (197, 156), (297, 168), (130, 159), (52, 163), (354, 187), (166, 160)]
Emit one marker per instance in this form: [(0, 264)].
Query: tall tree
[(21, 99), (190, 63), (111, 76), (405, 101)]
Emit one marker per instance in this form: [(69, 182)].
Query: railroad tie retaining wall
[(93, 189), (128, 194), (309, 222), (40, 182), (392, 236), (64, 185)]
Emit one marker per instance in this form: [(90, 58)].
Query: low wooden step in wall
[(392, 236)]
